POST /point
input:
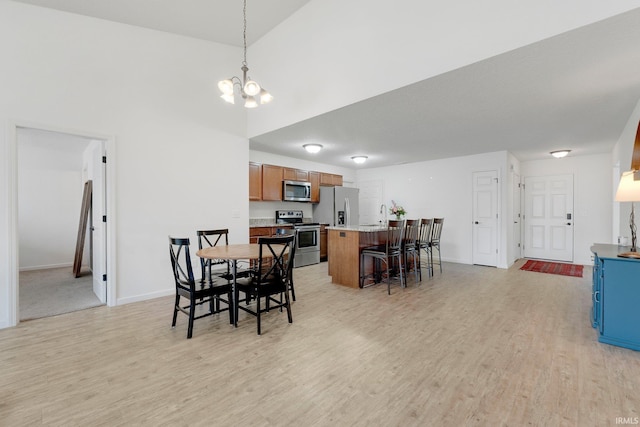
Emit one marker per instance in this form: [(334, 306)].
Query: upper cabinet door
[(255, 181), (272, 177)]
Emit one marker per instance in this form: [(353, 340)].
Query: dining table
[(234, 253)]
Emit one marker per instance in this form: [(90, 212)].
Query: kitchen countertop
[(367, 228)]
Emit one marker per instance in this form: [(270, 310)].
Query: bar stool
[(387, 253), (409, 248), (423, 245), (434, 243)]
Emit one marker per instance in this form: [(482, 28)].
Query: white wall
[(50, 188), (181, 154), (333, 53), (593, 198), (443, 188)]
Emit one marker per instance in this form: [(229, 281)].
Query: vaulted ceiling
[(575, 90)]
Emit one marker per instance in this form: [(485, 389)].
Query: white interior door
[(549, 217), (517, 217), (485, 218), (96, 172)]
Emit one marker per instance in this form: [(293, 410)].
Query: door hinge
[(496, 180), (104, 218), (104, 159), (104, 277)]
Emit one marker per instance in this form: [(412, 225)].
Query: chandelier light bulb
[(226, 87), (265, 97), (251, 88), (250, 102), (228, 97)]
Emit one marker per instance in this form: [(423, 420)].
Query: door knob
[(476, 222), (568, 223)]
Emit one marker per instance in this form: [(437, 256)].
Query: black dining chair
[(187, 287), (389, 252), (423, 245), (271, 278)]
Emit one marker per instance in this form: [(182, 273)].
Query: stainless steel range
[(307, 237)]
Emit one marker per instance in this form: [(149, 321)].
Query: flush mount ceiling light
[(312, 148), (560, 153), (248, 89), (359, 159)]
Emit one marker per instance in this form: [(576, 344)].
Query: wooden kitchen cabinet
[(255, 181), (314, 179), (255, 232), (329, 179), (272, 177), (323, 242), (295, 175)]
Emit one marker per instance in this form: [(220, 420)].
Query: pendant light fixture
[(248, 89)]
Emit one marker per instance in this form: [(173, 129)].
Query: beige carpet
[(50, 292)]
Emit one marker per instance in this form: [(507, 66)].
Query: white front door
[(485, 218), (549, 217)]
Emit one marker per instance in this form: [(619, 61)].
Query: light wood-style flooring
[(473, 346)]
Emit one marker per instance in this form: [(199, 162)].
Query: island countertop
[(367, 228)]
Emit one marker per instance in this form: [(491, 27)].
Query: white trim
[(46, 267), (13, 301), (12, 226)]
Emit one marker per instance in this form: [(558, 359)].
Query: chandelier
[(248, 89)]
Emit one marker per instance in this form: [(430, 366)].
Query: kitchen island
[(344, 246)]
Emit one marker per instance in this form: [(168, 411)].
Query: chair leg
[(389, 278), (231, 308), (288, 307), (236, 297), (439, 258), (293, 291), (175, 311), (192, 311), (258, 311)]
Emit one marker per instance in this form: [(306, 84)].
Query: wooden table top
[(234, 252)]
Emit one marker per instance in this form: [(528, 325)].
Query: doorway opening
[(51, 170)]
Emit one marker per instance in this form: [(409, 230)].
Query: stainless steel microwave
[(296, 191)]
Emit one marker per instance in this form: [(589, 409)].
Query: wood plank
[(82, 227)]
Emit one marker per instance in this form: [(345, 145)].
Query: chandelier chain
[(244, 31)]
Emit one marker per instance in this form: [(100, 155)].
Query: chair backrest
[(436, 230), (276, 259), (289, 232), (424, 235), (209, 238), (395, 233), (411, 233), (181, 263)]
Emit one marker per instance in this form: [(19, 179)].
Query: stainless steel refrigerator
[(338, 207)]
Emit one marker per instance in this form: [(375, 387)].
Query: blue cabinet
[(616, 297)]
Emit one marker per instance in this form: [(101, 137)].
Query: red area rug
[(553, 268)]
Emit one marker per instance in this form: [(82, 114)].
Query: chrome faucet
[(383, 210)]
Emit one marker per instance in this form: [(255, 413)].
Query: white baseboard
[(45, 267), (144, 297)]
